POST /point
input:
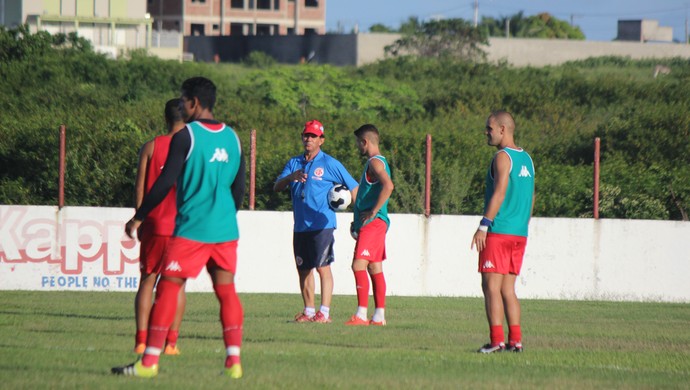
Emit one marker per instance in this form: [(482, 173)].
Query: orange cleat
[(356, 321), (140, 348), (171, 350)]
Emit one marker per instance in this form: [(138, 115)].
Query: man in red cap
[(310, 176)]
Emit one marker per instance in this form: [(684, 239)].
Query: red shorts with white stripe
[(151, 253), (503, 254), (186, 258), (371, 241)]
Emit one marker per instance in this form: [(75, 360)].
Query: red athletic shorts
[(503, 254), (371, 242), (186, 258), (151, 253)]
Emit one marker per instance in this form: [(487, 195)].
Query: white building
[(112, 26)]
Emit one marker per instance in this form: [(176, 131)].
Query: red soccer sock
[(162, 316), (231, 317), (140, 337), (171, 340), (514, 334), (378, 282), (362, 285), (496, 332)]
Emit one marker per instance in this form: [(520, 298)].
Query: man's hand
[(366, 215), (299, 176), (131, 226), (479, 240)]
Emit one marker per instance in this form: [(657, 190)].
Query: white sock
[(379, 315), (325, 310), (309, 311), (361, 312)]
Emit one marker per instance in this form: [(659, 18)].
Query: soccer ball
[(339, 197)]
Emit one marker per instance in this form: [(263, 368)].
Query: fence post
[(427, 187), (252, 168), (597, 143), (61, 169)]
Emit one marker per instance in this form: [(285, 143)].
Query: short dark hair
[(172, 111), (202, 89), (364, 129)]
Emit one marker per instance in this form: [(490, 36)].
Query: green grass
[(71, 339)]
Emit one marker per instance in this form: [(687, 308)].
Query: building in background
[(239, 17), (110, 25), (645, 30), (113, 27)]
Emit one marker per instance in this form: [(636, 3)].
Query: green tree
[(542, 25), (381, 28), (455, 38)]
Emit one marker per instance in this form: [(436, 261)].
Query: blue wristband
[(485, 222)]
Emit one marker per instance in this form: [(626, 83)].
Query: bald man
[(501, 236)]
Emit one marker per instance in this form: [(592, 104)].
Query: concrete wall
[(291, 49), (83, 248), (537, 52), (361, 49), (541, 52)]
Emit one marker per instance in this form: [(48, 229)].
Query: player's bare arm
[(501, 171), (353, 192), (238, 186), (145, 155), (377, 170)]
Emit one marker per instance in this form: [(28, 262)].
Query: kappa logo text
[(221, 155)]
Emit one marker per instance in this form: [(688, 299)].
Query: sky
[(598, 19)]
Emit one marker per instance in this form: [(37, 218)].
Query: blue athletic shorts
[(313, 249)]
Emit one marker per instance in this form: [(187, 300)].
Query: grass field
[(71, 339)]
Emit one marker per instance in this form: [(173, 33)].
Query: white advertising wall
[(83, 248)]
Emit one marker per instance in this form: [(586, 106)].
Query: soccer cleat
[(171, 350), (140, 348), (136, 369), (301, 317), (491, 348), (377, 323), (321, 318), (234, 371), (517, 347), (356, 321)]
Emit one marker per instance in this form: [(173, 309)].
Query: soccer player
[(156, 230), (369, 226), (206, 160), (310, 176), (502, 233)]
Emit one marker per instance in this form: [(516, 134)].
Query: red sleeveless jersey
[(161, 220)]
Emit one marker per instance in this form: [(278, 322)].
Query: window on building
[(263, 29), (237, 4), (290, 31), (309, 31), (236, 29), (263, 4), (197, 29), (198, 1), (215, 27), (311, 3)]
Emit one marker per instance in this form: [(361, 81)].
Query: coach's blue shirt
[(310, 199)]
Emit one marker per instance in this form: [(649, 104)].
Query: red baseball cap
[(313, 127)]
